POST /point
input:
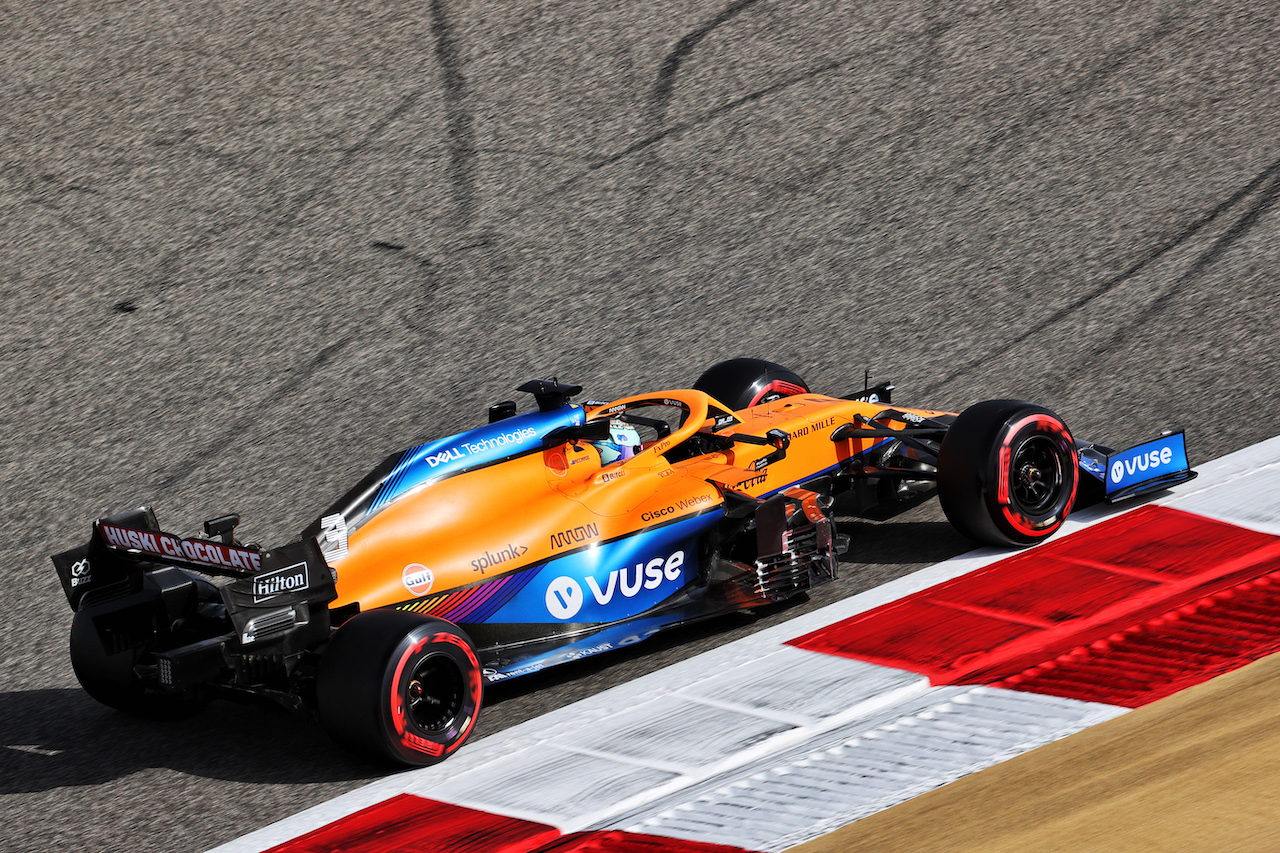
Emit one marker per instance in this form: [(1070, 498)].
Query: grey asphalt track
[(247, 249)]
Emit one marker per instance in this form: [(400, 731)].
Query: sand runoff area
[(1197, 771)]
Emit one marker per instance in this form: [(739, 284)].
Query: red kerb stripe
[(407, 823), (1038, 609)]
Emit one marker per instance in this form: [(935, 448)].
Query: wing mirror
[(596, 430), (775, 438)]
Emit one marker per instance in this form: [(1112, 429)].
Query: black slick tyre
[(1007, 472), (108, 675), (400, 685), (741, 383)]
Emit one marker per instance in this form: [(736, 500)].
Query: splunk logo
[(565, 596), (490, 559)]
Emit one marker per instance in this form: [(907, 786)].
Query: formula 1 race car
[(554, 534)]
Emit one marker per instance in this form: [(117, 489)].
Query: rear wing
[(153, 545), (129, 544)]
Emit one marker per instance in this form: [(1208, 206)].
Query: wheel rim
[(1036, 474), (435, 693)]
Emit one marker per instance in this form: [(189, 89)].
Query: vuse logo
[(565, 596), (1150, 460), (1154, 459)]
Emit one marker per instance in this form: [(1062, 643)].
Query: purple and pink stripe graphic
[(474, 603)]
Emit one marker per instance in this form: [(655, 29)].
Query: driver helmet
[(623, 443)]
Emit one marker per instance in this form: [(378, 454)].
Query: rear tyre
[(402, 686), (110, 678), (1007, 472), (741, 383)]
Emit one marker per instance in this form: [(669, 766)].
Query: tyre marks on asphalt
[(1055, 105), (1233, 218), (1240, 214), (460, 133), (289, 217), (280, 396), (1266, 185), (921, 43), (461, 156), (663, 89), (660, 96), (279, 212)]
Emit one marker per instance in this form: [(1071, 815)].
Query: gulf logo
[(418, 579)]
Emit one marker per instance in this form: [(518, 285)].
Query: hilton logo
[(289, 579)]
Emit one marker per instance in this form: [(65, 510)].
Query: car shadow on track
[(913, 542), (878, 553), (63, 738)]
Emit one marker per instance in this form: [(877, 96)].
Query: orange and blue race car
[(553, 534)]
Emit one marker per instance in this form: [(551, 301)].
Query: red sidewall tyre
[(431, 735), (1007, 472), (404, 686), (741, 383)]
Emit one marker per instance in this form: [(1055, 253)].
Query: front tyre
[(403, 686), (1007, 472)]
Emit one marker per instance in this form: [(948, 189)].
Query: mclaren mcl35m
[(550, 534)]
